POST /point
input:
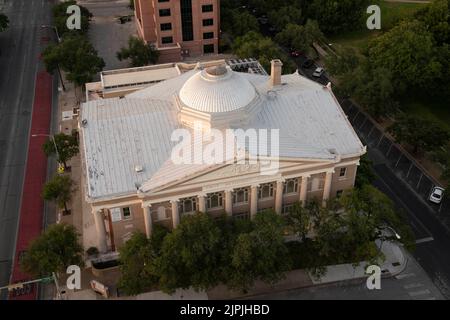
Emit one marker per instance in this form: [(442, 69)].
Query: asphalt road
[(18, 64)]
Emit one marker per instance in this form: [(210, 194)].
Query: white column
[(279, 196), (101, 230), (229, 202), (253, 201), (148, 221), (327, 188), (202, 203), (304, 190), (175, 214)]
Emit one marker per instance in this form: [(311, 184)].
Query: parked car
[(318, 72), (436, 195), (307, 64)]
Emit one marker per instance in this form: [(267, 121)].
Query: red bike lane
[(32, 204)]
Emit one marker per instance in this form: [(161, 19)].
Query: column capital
[(229, 190), (307, 176), (172, 201), (202, 194), (255, 185), (146, 205)]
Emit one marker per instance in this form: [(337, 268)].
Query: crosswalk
[(415, 289)]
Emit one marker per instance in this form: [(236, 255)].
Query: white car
[(318, 72), (436, 194)]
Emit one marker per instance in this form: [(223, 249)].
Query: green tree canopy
[(436, 16), (422, 134), (260, 254), (299, 220), (76, 56), (67, 147), (300, 37), (409, 52), (137, 257), (4, 22), (285, 15), (191, 255), (53, 251), (365, 174), (60, 18), (59, 189), (254, 45), (140, 53), (238, 23)]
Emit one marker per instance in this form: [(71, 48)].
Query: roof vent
[(138, 168)]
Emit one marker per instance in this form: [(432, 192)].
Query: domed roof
[(217, 89)]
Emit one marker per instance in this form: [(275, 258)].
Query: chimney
[(275, 72)]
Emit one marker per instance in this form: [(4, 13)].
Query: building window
[(342, 172), (164, 12), (188, 205), (166, 26), (161, 213), (165, 40), (208, 22), (214, 200), (240, 196), (208, 35), (339, 193), (290, 186), (207, 8), (163, 0), (126, 213), (241, 216), (208, 48), (186, 20), (316, 184), (265, 191)]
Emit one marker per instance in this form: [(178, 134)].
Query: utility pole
[(57, 65)]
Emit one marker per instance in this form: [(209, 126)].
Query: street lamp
[(52, 138), (59, 41)]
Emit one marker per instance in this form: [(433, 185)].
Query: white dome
[(217, 89)]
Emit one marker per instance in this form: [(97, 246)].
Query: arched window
[(290, 186), (214, 200), (265, 191), (188, 205), (240, 196)]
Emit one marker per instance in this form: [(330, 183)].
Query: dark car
[(307, 64)]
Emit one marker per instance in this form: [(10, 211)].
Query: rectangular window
[(208, 22), (165, 40), (290, 186), (208, 48), (265, 191), (208, 35), (286, 208), (207, 8), (126, 212), (186, 20), (164, 12), (166, 26), (240, 196), (342, 172)]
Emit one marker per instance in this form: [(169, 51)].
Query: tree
[(59, 189), (238, 23), (365, 174), (67, 147), (4, 22), (299, 221), (337, 16), (60, 18), (53, 251), (76, 56), (140, 53), (300, 37), (421, 134), (436, 16), (253, 44), (408, 52), (137, 257), (191, 255), (344, 62), (260, 254), (285, 15)]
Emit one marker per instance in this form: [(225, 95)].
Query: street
[(411, 284), (18, 65)]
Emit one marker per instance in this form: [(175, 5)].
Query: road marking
[(405, 275), (428, 239), (419, 293), (413, 285)]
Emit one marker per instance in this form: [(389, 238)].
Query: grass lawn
[(438, 111), (390, 13)]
